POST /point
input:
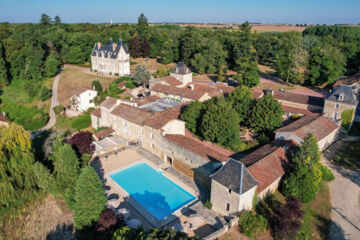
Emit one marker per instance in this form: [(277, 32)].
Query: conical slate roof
[(181, 68)]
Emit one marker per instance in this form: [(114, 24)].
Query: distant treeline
[(318, 56)]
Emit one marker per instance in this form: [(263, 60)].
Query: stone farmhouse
[(179, 86), (342, 98), (153, 123), (83, 99), (113, 58)]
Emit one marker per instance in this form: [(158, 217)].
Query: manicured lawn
[(349, 156)]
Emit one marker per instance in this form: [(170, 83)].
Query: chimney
[(114, 46), (191, 86), (99, 45)]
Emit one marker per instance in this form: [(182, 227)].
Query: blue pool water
[(155, 192)]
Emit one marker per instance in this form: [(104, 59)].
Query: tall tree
[(265, 115), (17, 179), (220, 123), (57, 20), (4, 68), (142, 27), (52, 64), (189, 44), (45, 19), (141, 75), (325, 65), (241, 101), (291, 56), (304, 179), (244, 58), (89, 198), (192, 115), (135, 47)]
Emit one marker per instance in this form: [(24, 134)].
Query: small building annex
[(83, 99)]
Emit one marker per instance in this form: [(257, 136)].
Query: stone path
[(344, 197)]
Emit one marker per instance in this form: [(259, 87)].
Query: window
[(152, 135), (91, 101), (152, 145), (227, 206), (337, 105), (229, 190), (170, 160), (335, 115), (341, 97)]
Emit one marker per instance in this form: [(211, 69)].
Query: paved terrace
[(194, 219)]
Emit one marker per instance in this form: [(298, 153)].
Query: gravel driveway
[(345, 199)]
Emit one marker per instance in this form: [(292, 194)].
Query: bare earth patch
[(75, 77), (45, 219), (151, 64)]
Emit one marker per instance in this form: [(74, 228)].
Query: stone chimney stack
[(114, 46), (99, 45)]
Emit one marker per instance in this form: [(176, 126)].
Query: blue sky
[(264, 11)]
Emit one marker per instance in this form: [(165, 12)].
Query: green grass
[(349, 156), (316, 222), (347, 116), (15, 93), (63, 123)]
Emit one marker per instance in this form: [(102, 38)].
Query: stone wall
[(331, 107)]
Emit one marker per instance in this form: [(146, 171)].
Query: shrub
[(116, 74), (208, 204), (95, 70), (130, 84), (81, 122), (327, 175), (251, 224), (194, 74), (30, 118), (44, 94), (82, 142), (97, 85), (107, 220), (287, 219), (295, 117), (346, 117), (110, 73), (58, 109), (91, 70)]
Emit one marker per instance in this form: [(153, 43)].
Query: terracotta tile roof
[(271, 163), (298, 98), (207, 150), (104, 133), (315, 124), (170, 80), (109, 103), (146, 100), (159, 119), (96, 113), (348, 80), (295, 110), (257, 93), (131, 114)]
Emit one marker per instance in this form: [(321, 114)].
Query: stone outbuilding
[(232, 188), (325, 130), (341, 99)]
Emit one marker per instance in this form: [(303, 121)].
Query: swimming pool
[(155, 192)]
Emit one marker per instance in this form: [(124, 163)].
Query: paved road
[(54, 103), (345, 199)]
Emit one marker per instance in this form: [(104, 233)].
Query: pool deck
[(181, 217)]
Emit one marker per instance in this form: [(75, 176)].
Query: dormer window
[(341, 97)]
